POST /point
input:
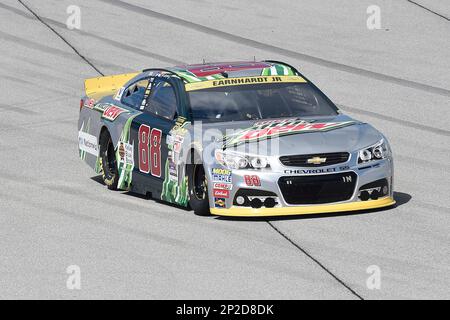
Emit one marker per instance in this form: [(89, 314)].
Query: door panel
[(149, 131), (149, 134)]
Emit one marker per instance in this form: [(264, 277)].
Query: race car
[(245, 139)]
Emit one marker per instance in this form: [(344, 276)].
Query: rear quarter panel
[(95, 116)]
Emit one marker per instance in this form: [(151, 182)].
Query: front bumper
[(236, 211), (269, 182)]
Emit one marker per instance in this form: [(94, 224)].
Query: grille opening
[(302, 160), (255, 198), (318, 189), (374, 190)]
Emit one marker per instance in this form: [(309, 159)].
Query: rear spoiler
[(97, 88)]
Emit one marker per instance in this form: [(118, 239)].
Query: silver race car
[(233, 139)]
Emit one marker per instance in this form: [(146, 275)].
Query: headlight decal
[(235, 160), (375, 152)]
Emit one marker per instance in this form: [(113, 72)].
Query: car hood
[(310, 135)]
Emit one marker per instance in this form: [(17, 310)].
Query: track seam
[(350, 109), (111, 42), (61, 37), (278, 50), (316, 261), (406, 123), (429, 10)]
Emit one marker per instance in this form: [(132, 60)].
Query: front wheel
[(198, 189)]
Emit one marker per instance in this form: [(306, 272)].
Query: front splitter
[(303, 210)]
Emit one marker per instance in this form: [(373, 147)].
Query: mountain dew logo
[(278, 128)]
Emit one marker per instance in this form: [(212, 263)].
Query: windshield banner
[(226, 82)]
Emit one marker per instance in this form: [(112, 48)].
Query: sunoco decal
[(219, 202), (277, 128)]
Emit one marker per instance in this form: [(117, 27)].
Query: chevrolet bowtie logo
[(316, 160)]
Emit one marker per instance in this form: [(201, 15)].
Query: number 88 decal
[(150, 161)]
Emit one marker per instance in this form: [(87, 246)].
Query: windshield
[(261, 101)]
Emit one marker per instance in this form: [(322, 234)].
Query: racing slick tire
[(108, 161), (197, 187)]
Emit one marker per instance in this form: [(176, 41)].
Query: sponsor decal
[(89, 103), (146, 94), (221, 193), (222, 186), (88, 143), (170, 140), (176, 135), (252, 180), (177, 144), (111, 112), (119, 94), (126, 153), (226, 82), (211, 69), (173, 172), (221, 175), (219, 202), (277, 128), (165, 75), (316, 171), (179, 123), (121, 152), (309, 171)]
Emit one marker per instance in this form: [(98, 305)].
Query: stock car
[(233, 139)]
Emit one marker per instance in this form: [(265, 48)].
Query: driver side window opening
[(134, 94)]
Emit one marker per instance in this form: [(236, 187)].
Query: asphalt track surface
[(54, 212)]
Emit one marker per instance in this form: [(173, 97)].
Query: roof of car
[(220, 70)]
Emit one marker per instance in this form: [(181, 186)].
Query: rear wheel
[(108, 161), (198, 189)]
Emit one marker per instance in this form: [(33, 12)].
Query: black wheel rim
[(199, 181)]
